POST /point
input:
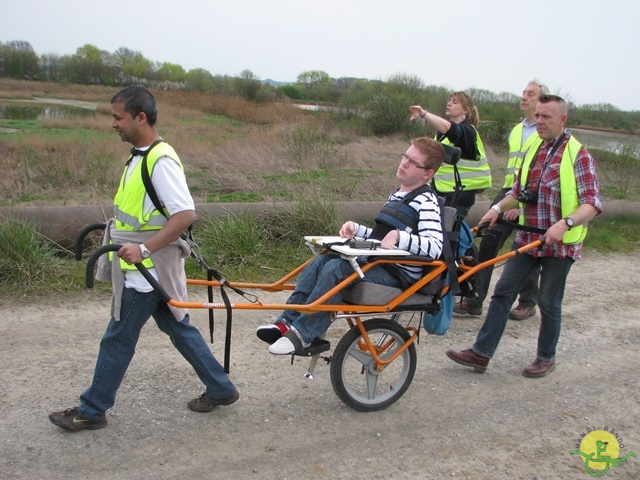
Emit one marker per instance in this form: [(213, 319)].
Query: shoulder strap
[(146, 180), (414, 193)]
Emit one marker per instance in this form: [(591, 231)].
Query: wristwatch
[(144, 251), (569, 221)]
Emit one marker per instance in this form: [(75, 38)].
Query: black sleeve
[(463, 136)]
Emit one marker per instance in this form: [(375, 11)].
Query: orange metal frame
[(437, 268)]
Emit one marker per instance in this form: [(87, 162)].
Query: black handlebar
[(83, 233), (114, 247)]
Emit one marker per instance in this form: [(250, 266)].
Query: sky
[(588, 51)]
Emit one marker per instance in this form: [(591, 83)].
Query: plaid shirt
[(548, 210)]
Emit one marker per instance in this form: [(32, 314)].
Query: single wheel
[(354, 376)]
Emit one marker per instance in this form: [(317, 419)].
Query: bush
[(311, 212), (388, 113), (311, 147), (496, 133), (231, 240), (621, 167)]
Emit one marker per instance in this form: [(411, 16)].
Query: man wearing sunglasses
[(412, 225)]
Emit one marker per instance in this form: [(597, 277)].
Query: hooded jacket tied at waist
[(168, 262)]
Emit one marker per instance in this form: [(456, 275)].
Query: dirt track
[(451, 423)]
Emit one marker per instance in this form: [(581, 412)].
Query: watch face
[(569, 222)]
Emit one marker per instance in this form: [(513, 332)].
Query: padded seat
[(369, 293)]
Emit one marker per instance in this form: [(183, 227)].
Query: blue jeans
[(119, 343), (321, 275), (553, 277)]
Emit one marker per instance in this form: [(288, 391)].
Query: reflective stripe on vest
[(569, 201), (475, 174), (516, 153), (128, 204)]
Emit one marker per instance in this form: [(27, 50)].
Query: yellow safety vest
[(516, 153), (128, 204), (569, 201), (474, 174)]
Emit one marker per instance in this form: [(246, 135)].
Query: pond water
[(606, 140), (41, 112)]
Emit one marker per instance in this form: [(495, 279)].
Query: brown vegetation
[(233, 149), (228, 145)]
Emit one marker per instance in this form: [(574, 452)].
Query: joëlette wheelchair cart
[(374, 362)]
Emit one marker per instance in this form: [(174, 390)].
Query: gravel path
[(451, 423)]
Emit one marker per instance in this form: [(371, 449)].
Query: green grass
[(27, 260), (240, 246), (22, 125), (621, 234)]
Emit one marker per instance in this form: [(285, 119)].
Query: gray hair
[(544, 90)]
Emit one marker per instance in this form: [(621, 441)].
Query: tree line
[(380, 105)]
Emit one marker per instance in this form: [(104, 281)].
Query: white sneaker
[(282, 346), (290, 343)]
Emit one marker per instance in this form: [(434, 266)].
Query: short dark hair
[(551, 98), (432, 149), (562, 105), (136, 99)]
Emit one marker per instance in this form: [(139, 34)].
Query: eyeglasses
[(413, 162)]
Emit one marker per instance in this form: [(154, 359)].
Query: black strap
[(392, 268), (146, 180), (295, 340), (524, 228), (414, 193), (447, 252)]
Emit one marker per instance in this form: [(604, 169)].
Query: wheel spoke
[(372, 383), (362, 356)]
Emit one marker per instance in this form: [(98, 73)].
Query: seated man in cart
[(410, 221)]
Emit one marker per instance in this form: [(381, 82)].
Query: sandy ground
[(451, 423)]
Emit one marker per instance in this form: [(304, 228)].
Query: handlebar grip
[(83, 233), (114, 247)]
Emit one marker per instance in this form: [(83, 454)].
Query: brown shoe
[(466, 308), (70, 419), (539, 369), (469, 358), (206, 404), (522, 313)]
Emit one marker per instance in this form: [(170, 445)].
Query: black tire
[(353, 374)]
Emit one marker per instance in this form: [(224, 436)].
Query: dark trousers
[(490, 246)]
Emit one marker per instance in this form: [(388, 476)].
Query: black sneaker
[(206, 404), (272, 333), (70, 419)]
